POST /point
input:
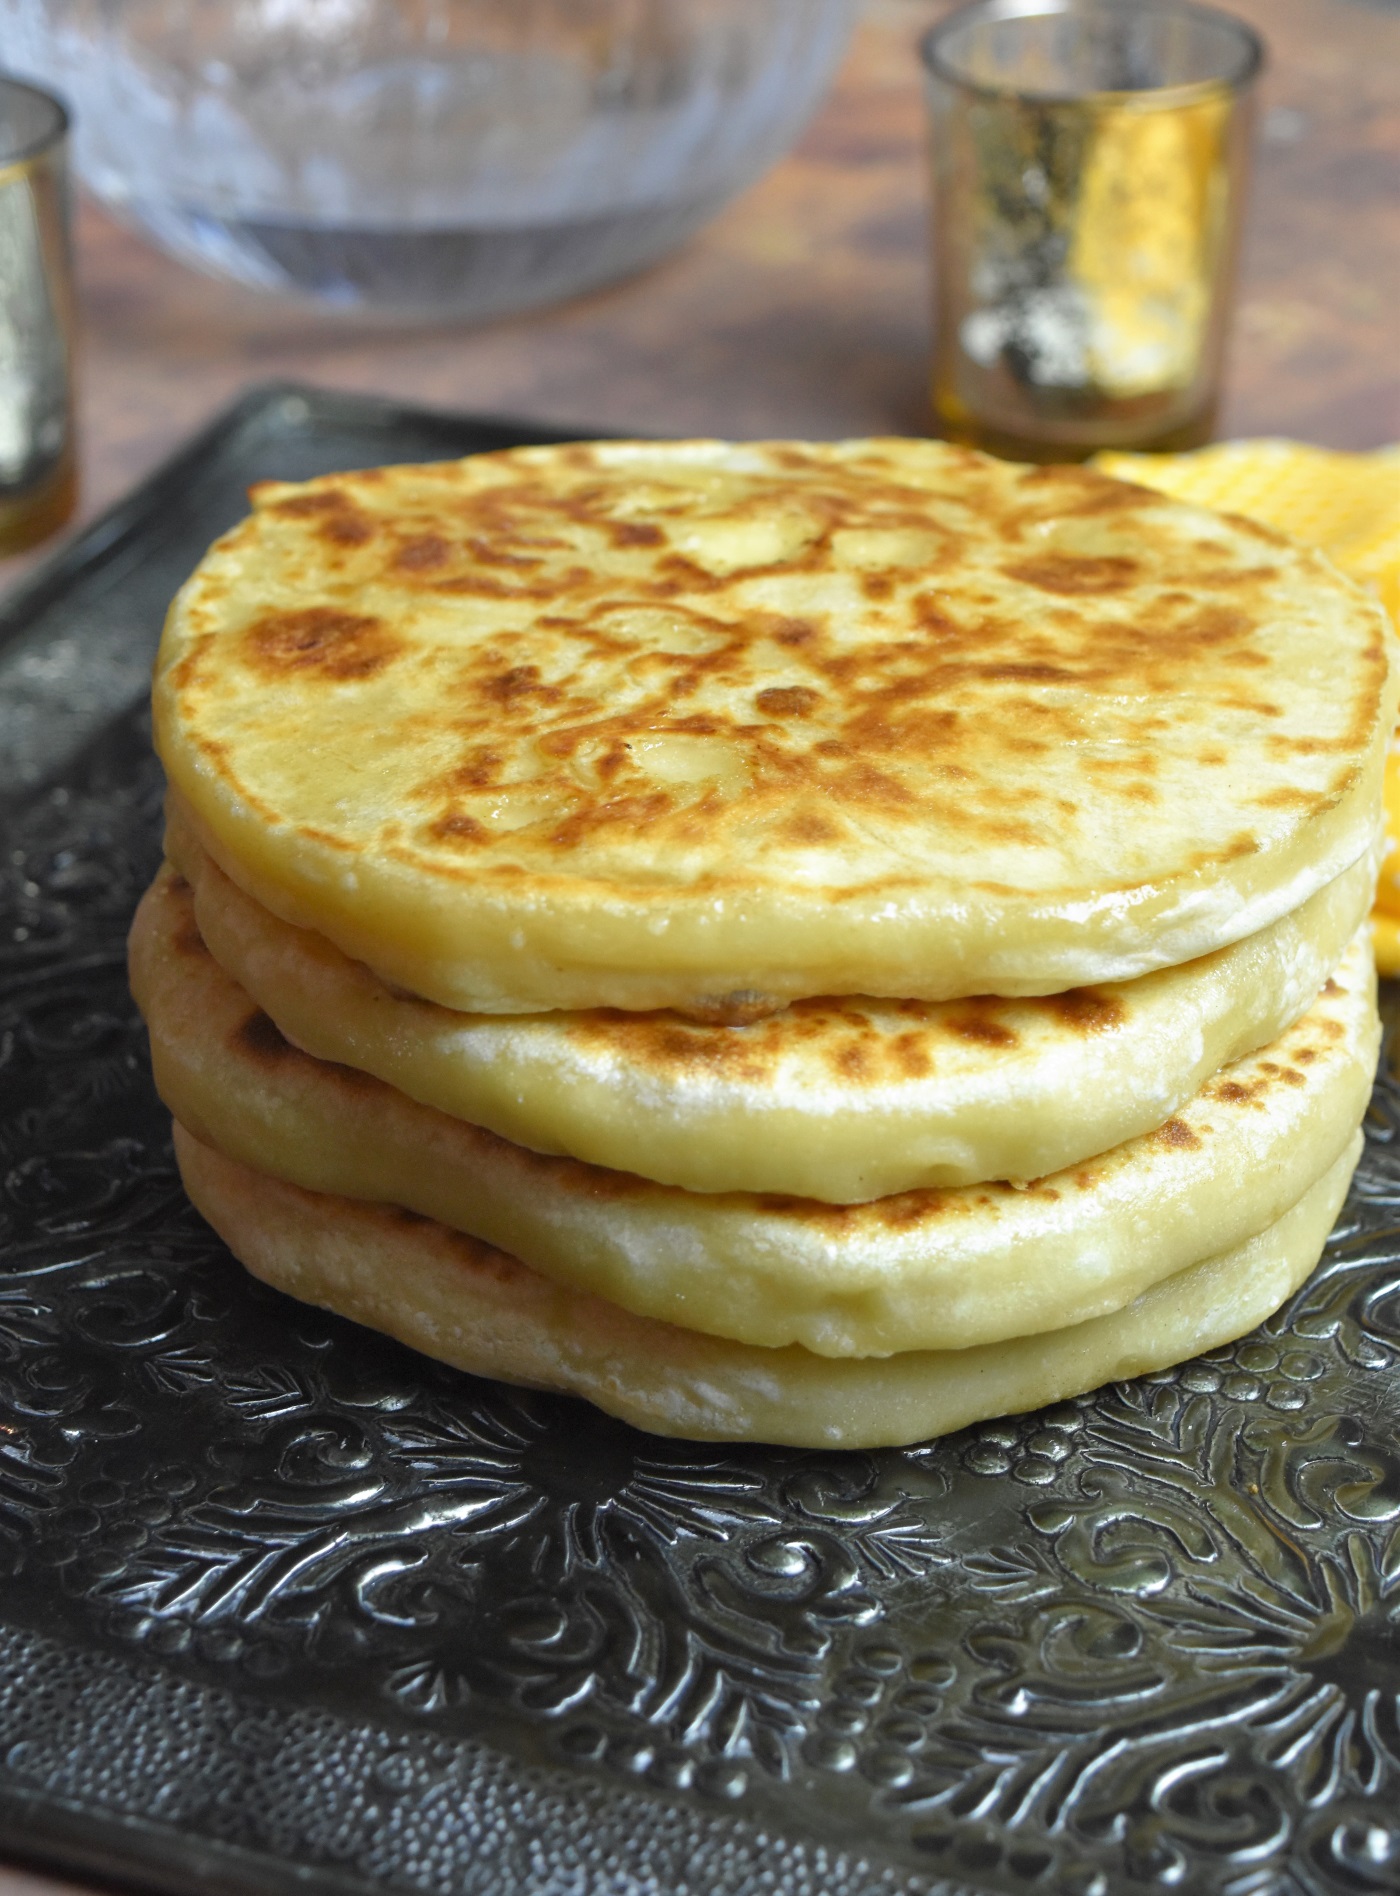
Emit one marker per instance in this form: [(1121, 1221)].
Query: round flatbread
[(460, 1301), (719, 727), (932, 1269), (841, 1100)]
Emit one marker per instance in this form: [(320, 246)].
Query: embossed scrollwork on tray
[(1150, 1636)]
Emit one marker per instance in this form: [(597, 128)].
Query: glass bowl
[(425, 157)]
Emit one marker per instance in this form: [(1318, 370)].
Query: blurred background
[(801, 307)]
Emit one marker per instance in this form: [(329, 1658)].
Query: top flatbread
[(715, 727)]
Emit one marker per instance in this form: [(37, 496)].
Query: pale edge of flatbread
[(475, 1308), (843, 1101), (931, 1271)]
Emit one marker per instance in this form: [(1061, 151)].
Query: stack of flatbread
[(818, 944)]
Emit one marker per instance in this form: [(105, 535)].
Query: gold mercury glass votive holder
[(1089, 165), (38, 482)]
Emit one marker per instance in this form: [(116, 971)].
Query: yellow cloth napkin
[(1347, 504)]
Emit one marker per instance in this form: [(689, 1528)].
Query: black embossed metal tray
[(283, 1606)]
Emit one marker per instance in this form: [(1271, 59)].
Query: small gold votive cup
[(38, 479), (1089, 163)]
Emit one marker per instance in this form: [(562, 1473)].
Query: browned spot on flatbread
[(1291, 1076), (1087, 1010), (482, 1260), (979, 1024), (851, 1061), (457, 827), (810, 826), (1288, 798), (1071, 573), (911, 1056), (905, 1209), (787, 701), (665, 1043), (320, 641), (186, 939), (1026, 674), (1176, 1135), (423, 553), (1085, 491), (615, 813), (519, 681), (259, 1038), (339, 520)]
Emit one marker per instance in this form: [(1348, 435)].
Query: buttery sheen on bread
[(719, 727), (808, 943)]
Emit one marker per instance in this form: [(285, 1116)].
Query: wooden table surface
[(803, 308)]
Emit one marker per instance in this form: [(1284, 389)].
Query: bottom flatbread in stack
[(743, 1316), (467, 1304)]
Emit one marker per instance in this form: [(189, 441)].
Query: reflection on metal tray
[(285, 1606)]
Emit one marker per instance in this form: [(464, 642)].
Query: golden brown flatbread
[(460, 1301), (718, 727), (937, 1269), (841, 1100)]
